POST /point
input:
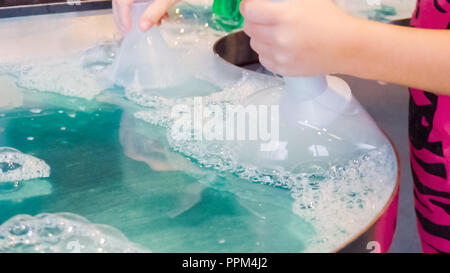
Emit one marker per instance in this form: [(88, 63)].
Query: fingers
[(261, 48), (122, 14), (258, 32), (268, 64), (265, 54), (116, 17), (154, 13), (272, 57), (165, 17), (264, 12), (122, 17)]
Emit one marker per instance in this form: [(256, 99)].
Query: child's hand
[(300, 37), (154, 14)]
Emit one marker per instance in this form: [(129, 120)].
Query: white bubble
[(324, 195), (82, 75), (36, 111), (16, 166), (355, 191), (61, 233)]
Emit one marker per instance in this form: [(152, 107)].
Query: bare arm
[(311, 37), (418, 58)]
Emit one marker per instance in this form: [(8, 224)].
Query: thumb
[(265, 12), (154, 13)]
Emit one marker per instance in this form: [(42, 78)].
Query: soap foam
[(19, 191), (338, 201), (61, 233), (82, 75), (355, 191), (324, 195), (10, 96), (16, 166)]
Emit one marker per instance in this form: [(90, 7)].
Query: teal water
[(109, 164), (116, 170)]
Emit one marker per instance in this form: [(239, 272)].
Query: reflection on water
[(19, 191), (61, 233), (111, 162), (116, 170)]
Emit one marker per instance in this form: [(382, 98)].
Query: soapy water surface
[(21, 175), (48, 233), (117, 170), (338, 200), (16, 166), (324, 194), (61, 233), (83, 75)]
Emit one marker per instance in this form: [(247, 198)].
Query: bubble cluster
[(338, 200), (83, 75), (61, 233), (16, 166), (190, 25), (159, 108)]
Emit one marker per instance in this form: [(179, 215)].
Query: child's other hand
[(299, 37), (154, 14)]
